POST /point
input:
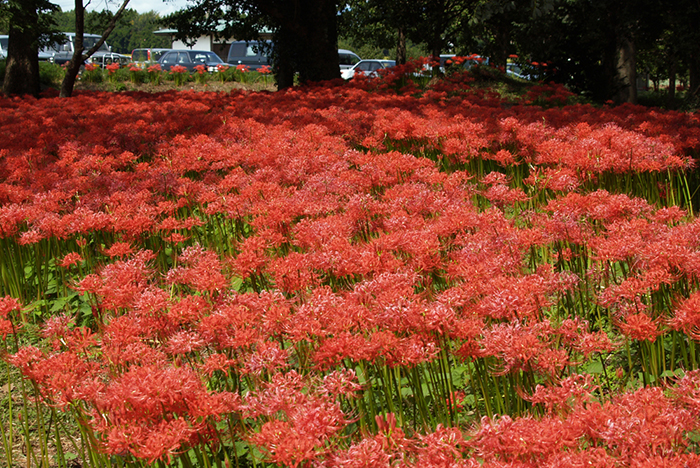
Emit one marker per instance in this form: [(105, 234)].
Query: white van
[(3, 46), (61, 53)]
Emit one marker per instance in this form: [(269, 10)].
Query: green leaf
[(594, 367)]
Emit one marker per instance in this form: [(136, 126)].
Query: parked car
[(143, 58), (61, 53), (466, 61), (347, 58), (3, 46), (252, 54), (368, 67), (514, 70), (190, 59)]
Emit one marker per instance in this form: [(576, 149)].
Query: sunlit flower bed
[(347, 276)]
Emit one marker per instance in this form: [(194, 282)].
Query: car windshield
[(3, 43), (89, 42), (205, 57), (139, 55), (157, 54)]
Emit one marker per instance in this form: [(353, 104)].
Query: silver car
[(368, 67)]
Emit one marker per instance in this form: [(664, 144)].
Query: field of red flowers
[(362, 275)]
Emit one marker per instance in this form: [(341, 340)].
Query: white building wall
[(203, 43)]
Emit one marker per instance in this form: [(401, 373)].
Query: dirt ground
[(211, 86)]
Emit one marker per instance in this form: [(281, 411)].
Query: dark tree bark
[(401, 46), (626, 72), (502, 32), (22, 65), (694, 72), (318, 60), (307, 39), (73, 67), (672, 69)]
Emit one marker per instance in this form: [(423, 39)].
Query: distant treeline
[(134, 30)]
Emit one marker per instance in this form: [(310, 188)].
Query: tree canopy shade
[(305, 32), (27, 21)]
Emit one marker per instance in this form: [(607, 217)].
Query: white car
[(347, 58), (368, 67)]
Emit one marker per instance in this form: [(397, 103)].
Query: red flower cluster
[(351, 276)]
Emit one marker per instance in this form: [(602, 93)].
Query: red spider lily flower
[(686, 315), (159, 441), (221, 68), (268, 356), (242, 68), (56, 328), (178, 69), (286, 445), (59, 377), (184, 342), (637, 425), (8, 304), (524, 439), (445, 447), (200, 269), (342, 382), (119, 249), (188, 310), (265, 69), (91, 67), (154, 68), (368, 453), (91, 283), (71, 259), (687, 390), (201, 69), (640, 326), (112, 68), (217, 363), (134, 68), (565, 397)]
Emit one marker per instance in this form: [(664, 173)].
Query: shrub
[(92, 74), (50, 74), (155, 74), (179, 74), (136, 74)]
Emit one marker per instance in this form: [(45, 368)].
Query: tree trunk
[(78, 57), (306, 41), (283, 62), (500, 58), (626, 72), (317, 48), (694, 72), (401, 46), (672, 67), (76, 62), (22, 66)]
